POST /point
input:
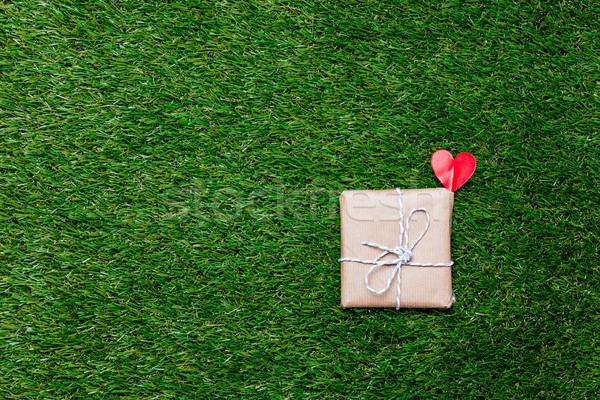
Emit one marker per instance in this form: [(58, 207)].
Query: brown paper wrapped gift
[(374, 216)]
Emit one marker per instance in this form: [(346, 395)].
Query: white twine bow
[(402, 251)]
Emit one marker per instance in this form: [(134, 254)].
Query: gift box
[(395, 248)]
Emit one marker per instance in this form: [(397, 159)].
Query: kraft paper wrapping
[(373, 216)]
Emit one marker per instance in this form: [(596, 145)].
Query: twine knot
[(404, 255)]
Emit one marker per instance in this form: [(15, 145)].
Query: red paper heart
[(453, 172)]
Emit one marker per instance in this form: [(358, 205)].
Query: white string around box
[(402, 251)]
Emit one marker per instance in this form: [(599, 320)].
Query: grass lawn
[(169, 174)]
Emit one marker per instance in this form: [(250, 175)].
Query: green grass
[(168, 214)]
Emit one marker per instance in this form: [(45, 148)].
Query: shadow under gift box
[(373, 216)]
